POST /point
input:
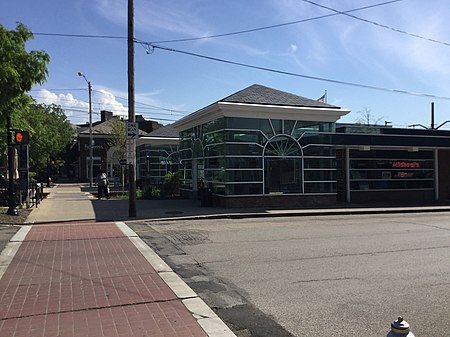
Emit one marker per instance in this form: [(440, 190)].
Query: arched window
[(283, 146)]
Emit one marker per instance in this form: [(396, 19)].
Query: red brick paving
[(87, 279)]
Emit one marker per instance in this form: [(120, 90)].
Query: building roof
[(167, 131), (260, 102), (103, 128), (259, 94), (165, 135)]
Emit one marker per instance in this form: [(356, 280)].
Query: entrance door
[(282, 175)]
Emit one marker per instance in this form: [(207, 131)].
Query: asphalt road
[(317, 276)]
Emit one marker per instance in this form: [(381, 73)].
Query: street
[(318, 276)]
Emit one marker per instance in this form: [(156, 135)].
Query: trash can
[(206, 197)]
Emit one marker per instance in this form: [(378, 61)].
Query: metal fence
[(30, 198)]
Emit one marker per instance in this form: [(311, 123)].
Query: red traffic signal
[(52, 162), (21, 137)]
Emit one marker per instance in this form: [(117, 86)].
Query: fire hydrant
[(400, 328)]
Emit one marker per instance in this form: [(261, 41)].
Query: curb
[(306, 212), (12, 247), (206, 318)]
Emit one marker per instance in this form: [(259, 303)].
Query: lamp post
[(91, 161)]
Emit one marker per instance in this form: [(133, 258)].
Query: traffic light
[(52, 162), (21, 137)]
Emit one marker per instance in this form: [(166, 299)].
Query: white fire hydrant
[(400, 328)]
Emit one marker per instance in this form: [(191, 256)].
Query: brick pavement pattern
[(85, 279)]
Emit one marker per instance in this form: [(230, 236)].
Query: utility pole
[(131, 113)]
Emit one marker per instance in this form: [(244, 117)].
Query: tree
[(19, 71), (117, 139), (367, 117), (50, 133)]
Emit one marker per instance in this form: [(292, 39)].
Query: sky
[(329, 54)]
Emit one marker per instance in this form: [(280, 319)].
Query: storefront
[(261, 147), (383, 164)]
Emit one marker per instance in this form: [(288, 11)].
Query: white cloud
[(78, 110), (179, 16), (293, 48), (106, 100)]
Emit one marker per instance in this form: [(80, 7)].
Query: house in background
[(101, 132)]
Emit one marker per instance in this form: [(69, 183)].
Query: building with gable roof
[(260, 147)]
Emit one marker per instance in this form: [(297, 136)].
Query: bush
[(171, 184)]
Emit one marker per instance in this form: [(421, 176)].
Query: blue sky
[(337, 47)]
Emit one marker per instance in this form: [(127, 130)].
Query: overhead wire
[(346, 13), (323, 79), (252, 30)]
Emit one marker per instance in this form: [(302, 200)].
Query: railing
[(36, 193)]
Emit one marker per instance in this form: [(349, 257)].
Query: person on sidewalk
[(102, 185)]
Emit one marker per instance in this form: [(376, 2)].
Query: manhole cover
[(188, 237)]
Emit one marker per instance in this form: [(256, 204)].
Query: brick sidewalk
[(87, 279)]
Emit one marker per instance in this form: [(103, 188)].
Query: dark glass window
[(244, 162), (320, 187), (320, 175)]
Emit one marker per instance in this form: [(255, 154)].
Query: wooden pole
[(131, 112)]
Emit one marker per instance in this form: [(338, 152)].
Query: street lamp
[(91, 161)]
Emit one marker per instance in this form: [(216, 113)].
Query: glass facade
[(155, 161), (249, 156), (391, 170)]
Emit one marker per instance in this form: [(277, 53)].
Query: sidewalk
[(84, 278)]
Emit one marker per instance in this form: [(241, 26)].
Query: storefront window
[(391, 170)]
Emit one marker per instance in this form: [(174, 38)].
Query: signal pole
[(12, 210), (131, 113)]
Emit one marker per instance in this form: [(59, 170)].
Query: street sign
[(132, 130), (123, 161), (131, 151)]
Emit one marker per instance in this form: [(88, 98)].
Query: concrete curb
[(206, 318), (11, 248), (306, 212)]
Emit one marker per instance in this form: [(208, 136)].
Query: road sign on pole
[(132, 130)]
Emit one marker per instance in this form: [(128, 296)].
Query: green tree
[(19, 71), (117, 139), (51, 133)]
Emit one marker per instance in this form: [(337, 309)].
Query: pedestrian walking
[(102, 185)]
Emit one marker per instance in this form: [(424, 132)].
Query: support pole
[(131, 113), (91, 139), (12, 210)]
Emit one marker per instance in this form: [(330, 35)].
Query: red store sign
[(404, 164)]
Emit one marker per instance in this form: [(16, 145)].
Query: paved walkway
[(90, 278)]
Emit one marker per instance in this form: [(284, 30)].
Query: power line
[(377, 24), (215, 35), (252, 30), (353, 84), (336, 12), (84, 36)]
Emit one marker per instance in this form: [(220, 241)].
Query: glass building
[(260, 147), (157, 155)]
